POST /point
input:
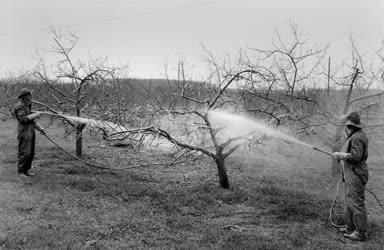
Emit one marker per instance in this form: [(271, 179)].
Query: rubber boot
[(345, 230), (356, 236)]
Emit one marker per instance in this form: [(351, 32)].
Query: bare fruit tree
[(69, 80), (284, 90), (357, 86), (290, 89), (193, 102), (221, 150)]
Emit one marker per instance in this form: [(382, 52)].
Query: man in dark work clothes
[(26, 131), (356, 178)]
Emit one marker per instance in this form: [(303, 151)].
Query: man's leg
[(24, 155), (349, 220), (358, 210), (31, 153), (349, 209)]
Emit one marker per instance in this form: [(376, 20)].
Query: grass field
[(279, 199)]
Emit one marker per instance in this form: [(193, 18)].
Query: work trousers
[(26, 152), (355, 211)]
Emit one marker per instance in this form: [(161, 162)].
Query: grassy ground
[(276, 201)]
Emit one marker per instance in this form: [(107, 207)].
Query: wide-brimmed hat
[(23, 92), (353, 119)]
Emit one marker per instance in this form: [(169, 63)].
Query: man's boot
[(27, 173), (345, 230), (356, 236)]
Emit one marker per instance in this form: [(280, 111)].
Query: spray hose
[(73, 156), (337, 189), (335, 199)]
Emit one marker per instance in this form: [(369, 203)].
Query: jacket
[(357, 149), (26, 127)]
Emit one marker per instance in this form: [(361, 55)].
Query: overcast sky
[(147, 33)]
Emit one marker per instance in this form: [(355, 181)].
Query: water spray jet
[(235, 124)]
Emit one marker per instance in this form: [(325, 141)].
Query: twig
[(375, 196)]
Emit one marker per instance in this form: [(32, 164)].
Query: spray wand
[(329, 153), (322, 151)]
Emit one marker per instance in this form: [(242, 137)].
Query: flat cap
[(23, 92)]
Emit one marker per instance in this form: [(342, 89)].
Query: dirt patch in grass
[(81, 185), (77, 170), (10, 161)]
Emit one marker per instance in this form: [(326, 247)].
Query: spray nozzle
[(321, 150)]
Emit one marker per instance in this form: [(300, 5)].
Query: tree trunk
[(79, 141), (223, 177), (338, 145), (79, 137)]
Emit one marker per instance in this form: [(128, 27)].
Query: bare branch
[(357, 99), (47, 81), (212, 104)]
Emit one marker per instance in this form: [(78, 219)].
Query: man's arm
[(357, 151), (34, 115), (39, 127), (22, 115)]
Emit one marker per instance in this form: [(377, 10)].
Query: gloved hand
[(339, 155), (335, 156)]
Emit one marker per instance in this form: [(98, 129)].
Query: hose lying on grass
[(75, 157)]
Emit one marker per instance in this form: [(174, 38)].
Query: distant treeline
[(107, 98), (124, 98)]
